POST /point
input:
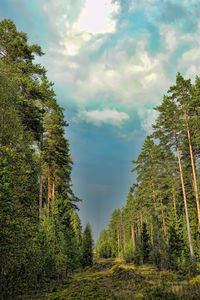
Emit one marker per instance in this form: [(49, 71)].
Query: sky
[(111, 61)]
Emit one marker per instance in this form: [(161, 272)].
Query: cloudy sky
[(111, 61)]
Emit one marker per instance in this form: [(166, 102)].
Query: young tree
[(87, 247)]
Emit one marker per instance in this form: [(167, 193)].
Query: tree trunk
[(49, 188), (163, 220), (6, 55), (124, 235), (184, 197), (53, 188), (174, 201), (193, 168), (139, 227), (118, 241), (151, 227), (41, 178), (133, 235), (141, 219)]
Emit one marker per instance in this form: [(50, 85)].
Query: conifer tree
[(87, 247)]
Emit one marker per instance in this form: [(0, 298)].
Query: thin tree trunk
[(124, 235), (174, 202), (184, 197), (49, 188), (139, 227), (151, 227), (141, 219), (133, 235), (41, 177), (120, 235), (163, 220), (118, 241), (6, 55), (156, 218), (53, 188), (193, 168)]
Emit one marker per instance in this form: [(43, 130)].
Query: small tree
[(145, 244), (87, 247)]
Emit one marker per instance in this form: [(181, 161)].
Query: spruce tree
[(87, 247)]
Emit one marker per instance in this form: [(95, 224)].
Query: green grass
[(109, 279)]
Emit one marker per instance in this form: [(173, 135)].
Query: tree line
[(41, 237), (160, 222)]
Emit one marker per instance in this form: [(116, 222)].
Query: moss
[(109, 279)]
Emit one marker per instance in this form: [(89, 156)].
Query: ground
[(113, 279)]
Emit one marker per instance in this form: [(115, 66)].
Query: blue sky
[(111, 62)]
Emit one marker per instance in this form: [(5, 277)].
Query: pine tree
[(87, 247)]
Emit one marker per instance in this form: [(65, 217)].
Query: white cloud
[(136, 4), (170, 37), (59, 12), (190, 59), (147, 117), (191, 56), (95, 18), (127, 79), (106, 116)]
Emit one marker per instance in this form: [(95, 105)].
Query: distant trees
[(160, 222), (40, 231), (87, 247)]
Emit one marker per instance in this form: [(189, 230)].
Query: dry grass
[(110, 279)]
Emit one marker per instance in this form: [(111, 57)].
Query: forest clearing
[(114, 279)]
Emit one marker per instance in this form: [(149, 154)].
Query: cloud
[(135, 4), (104, 71), (147, 117), (170, 37), (123, 77), (189, 61), (96, 17), (106, 116)]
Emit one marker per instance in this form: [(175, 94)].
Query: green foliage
[(87, 247), (161, 219), (145, 241), (128, 253), (35, 168)]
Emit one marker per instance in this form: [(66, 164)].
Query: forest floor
[(112, 279)]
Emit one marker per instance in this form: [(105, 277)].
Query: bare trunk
[(118, 241), (141, 219), (49, 188), (133, 235), (53, 188), (174, 201), (41, 178), (163, 220), (184, 197), (193, 168), (124, 235), (151, 227), (139, 227), (53, 195), (6, 55)]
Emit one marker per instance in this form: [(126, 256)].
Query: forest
[(160, 223), (45, 253), (41, 239)]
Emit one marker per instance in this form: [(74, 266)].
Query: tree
[(145, 244), (87, 247)]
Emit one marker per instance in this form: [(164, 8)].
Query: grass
[(109, 279)]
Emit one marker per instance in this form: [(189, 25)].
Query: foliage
[(39, 228), (160, 222), (87, 247)]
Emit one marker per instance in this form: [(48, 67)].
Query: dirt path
[(109, 279)]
